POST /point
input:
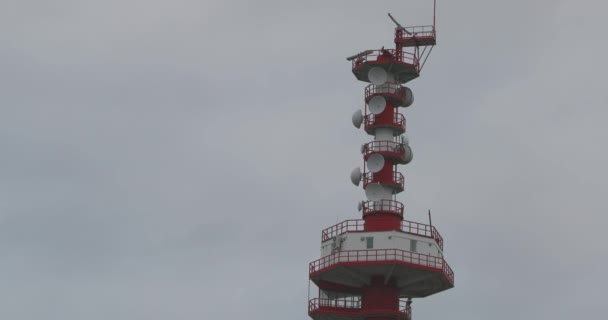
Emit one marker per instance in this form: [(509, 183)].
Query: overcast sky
[(178, 159)]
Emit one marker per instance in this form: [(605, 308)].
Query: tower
[(370, 269)]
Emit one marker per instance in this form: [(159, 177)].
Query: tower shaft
[(371, 268)]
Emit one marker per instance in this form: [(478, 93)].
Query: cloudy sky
[(178, 159)]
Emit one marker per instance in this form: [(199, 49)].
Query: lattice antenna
[(399, 26)]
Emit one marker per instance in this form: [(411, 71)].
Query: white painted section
[(333, 245), (381, 240), (385, 87), (384, 134)]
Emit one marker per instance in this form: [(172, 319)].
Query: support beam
[(389, 274)]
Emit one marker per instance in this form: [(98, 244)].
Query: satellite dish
[(375, 163), (405, 140), (408, 97), (377, 76), (376, 191), (377, 104), (355, 176), (408, 154), (357, 118)]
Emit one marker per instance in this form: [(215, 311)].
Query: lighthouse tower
[(371, 269)]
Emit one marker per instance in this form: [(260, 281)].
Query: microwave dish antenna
[(377, 104)]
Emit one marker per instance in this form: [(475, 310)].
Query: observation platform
[(392, 92), (397, 182), (358, 225), (398, 152), (373, 122), (405, 66), (390, 207), (350, 308), (417, 36), (415, 274)]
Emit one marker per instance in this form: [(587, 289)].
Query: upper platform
[(413, 46), (418, 36), (411, 227), (415, 274), (405, 66), (411, 256)]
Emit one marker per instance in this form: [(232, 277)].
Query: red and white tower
[(370, 269)]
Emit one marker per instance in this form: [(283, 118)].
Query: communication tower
[(371, 269)]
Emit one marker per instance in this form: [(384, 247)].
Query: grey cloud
[(179, 159)]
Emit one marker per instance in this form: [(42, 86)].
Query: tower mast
[(370, 269)]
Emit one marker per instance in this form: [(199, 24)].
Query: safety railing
[(353, 302), (386, 206), (343, 227), (385, 55), (397, 180), (382, 255), (387, 88), (397, 121), (406, 308), (424, 230), (447, 270), (415, 32), (353, 305), (410, 227), (390, 148)]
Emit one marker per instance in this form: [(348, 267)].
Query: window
[(370, 242), (413, 245)]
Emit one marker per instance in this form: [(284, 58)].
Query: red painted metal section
[(386, 118), (384, 257), (382, 221), (379, 296)]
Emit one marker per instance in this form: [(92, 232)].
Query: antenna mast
[(371, 268)]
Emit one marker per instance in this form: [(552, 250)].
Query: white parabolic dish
[(357, 119), (376, 191), (377, 75), (377, 104), (355, 176), (375, 163)]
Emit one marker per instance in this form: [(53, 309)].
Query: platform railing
[(424, 230), (404, 307), (383, 146), (398, 120), (353, 302), (447, 270), (397, 179), (410, 227), (385, 54), (385, 88), (416, 32), (382, 255), (389, 206), (343, 227)]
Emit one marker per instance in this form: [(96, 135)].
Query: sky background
[(178, 159)]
